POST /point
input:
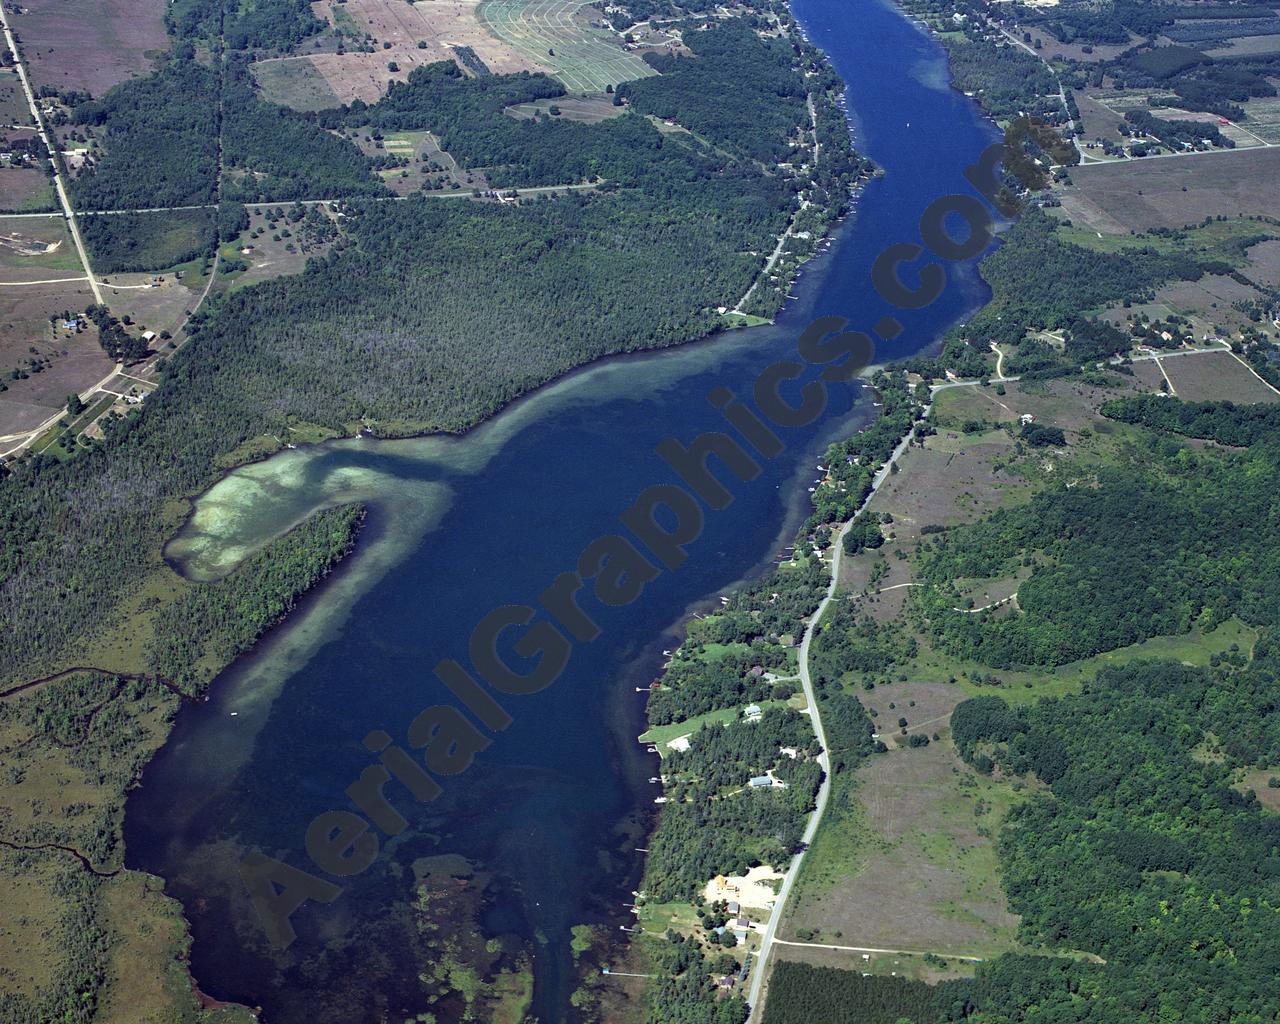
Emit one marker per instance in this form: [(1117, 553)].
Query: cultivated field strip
[(547, 32)]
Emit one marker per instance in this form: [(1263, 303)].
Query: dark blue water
[(550, 811)]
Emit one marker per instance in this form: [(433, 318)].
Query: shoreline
[(757, 963), (822, 247)]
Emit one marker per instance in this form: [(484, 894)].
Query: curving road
[(760, 968)]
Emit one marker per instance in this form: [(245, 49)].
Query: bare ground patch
[(1177, 191), (36, 249), (438, 26), (90, 45)]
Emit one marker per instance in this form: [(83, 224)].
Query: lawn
[(661, 735)]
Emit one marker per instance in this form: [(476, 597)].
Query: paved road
[(531, 190), (824, 790), (67, 211)]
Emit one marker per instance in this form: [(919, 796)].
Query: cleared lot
[(89, 45), (1174, 192)]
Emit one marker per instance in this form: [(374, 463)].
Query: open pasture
[(1174, 191), (1217, 377), (13, 102), (294, 82), (1263, 118), (90, 45), (926, 875), (558, 35), (24, 189), (590, 110)]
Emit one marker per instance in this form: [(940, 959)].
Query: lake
[(541, 833)]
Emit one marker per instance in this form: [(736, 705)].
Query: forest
[(713, 823), (802, 994), (278, 26), (1102, 576), (1142, 851), (738, 90), (209, 625), (684, 991), (1224, 422), (163, 136), (159, 137)]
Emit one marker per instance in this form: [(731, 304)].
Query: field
[(1098, 120), (1248, 47), (422, 33), (33, 250), (556, 34), (1217, 376), (1173, 192), (924, 874), (13, 102), (1264, 264), (1264, 117), (155, 307), (90, 45), (294, 82), (25, 189), (587, 110)]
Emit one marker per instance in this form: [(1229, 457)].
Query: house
[(149, 336), (741, 922), (761, 782), (733, 907), (752, 711)]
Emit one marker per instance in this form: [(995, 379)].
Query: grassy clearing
[(1020, 687), (909, 861), (1211, 240), (296, 83), (744, 320), (656, 918)]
